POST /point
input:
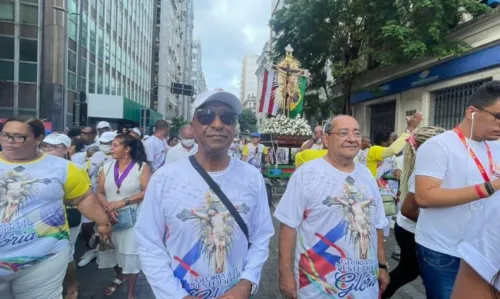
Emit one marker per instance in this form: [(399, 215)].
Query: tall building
[(197, 77), (251, 103), (248, 84), (174, 31), (44, 48)]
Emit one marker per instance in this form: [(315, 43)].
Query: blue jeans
[(438, 271)]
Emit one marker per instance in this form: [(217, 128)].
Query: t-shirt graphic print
[(214, 225), (336, 215)]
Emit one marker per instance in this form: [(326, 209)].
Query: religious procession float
[(285, 130)]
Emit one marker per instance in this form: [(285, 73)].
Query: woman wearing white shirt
[(479, 274), (407, 269)]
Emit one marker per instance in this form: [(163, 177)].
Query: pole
[(78, 64)]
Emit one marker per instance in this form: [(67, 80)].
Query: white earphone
[(473, 115)]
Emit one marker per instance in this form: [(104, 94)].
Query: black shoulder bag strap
[(216, 189)]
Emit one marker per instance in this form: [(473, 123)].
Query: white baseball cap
[(56, 139), (103, 124), (218, 95), (137, 131), (107, 137)]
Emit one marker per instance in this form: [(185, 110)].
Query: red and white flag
[(267, 99)]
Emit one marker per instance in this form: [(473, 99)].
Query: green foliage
[(356, 34), (176, 124), (247, 122)]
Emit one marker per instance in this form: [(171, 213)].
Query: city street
[(93, 281)]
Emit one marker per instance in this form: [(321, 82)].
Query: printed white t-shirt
[(336, 215), (189, 243), (156, 151), (33, 224), (401, 220), (254, 154), (445, 157), (480, 247)]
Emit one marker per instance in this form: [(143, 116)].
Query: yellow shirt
[(308, 155), (378, 153), (33, 220)]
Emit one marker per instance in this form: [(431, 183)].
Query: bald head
[(186, 132), (318, 132), (340, 121)]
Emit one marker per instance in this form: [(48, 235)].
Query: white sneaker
[(87, 258)]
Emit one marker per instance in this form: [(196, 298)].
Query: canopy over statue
[(291, 84)]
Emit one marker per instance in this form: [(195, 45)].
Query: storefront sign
[(450, 69)]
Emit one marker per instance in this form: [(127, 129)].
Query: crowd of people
[(192, 213)]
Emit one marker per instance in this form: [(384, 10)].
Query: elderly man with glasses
[(332, 215), (205, 225)]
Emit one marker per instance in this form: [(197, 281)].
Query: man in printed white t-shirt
[(156, 146), (189, 243), (254, 151), (450, 183), (185, 148), (332, 214)]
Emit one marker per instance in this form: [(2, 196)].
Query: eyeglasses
[(346, 134), (15, 138), (495, 115), (207, 116)]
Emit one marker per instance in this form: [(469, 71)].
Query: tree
[(247, 121), (176, 124), (356, 35)]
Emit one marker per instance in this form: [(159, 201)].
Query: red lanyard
[(480, 166)]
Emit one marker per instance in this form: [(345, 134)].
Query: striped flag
[(267, 99)]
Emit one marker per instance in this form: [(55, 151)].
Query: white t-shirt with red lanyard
[(445, 157)]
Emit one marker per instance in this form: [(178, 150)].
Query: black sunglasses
[(206, 116)]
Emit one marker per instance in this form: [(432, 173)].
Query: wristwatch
[(126, 201), (384, 266)]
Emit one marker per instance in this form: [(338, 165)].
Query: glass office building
[(39, 66)]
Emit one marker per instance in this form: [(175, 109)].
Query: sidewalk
[(93, 281)]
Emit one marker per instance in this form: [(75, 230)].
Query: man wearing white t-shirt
[(315, 143), (190, 244), (332, 214), (185, 148), (156, 146), (450, 181)]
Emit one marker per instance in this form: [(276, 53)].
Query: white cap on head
[(137, 131), (218, 95), (107, 137), (56, 139), (103, 124)]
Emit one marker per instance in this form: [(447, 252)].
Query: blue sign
[(453, 68)]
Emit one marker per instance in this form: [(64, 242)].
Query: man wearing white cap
[(103, 126), (218, 201), (136, 133), (96, 163)]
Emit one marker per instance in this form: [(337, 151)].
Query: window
[(72, 30), (29, 14), (92, 72), (6, 70), (71, 81), (28, 72), (72, 61), (7, 48), (27, 95), (7, 11), (28, 50)]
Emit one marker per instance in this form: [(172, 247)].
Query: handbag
[(390, 205), (223, 198), (126, 218), (73, 216)]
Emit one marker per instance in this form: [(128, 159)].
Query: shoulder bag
[(223, 198)]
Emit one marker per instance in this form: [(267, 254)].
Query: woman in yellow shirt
[(35, 186)]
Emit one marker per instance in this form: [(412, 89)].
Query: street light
[(78, 60)]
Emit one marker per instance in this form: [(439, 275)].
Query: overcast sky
[(229, 30)]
